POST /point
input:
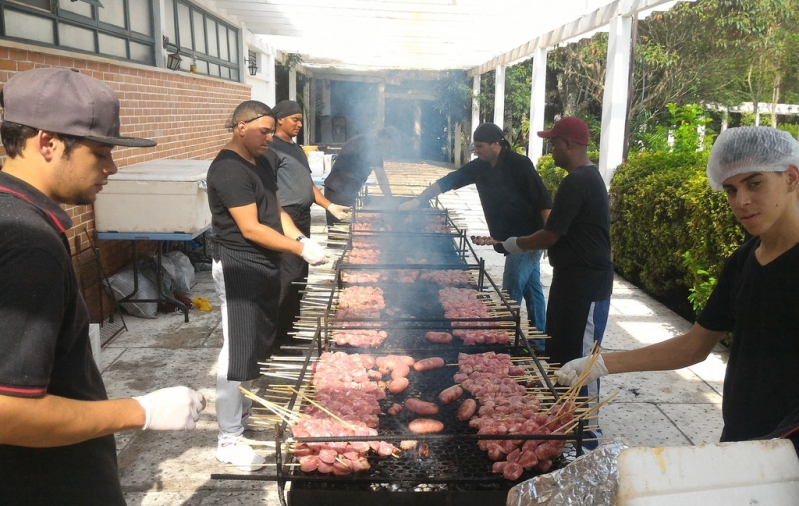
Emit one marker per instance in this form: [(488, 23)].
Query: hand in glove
[(409, 205), (572, 370), (175, 408), (510, 246), (340, 212), (312, 252)]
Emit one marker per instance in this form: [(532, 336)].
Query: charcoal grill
[(455, 470)]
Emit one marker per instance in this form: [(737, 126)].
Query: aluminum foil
[(591, 480)]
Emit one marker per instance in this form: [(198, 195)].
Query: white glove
[(510, 246), (312, 252), (571, 371), (175, 408), (340, 212), (409, 205)]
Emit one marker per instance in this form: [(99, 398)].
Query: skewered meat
[(484, 240), (360, 338), (439, 337), (466, 409), (452, 277), (450, 394), (427, 364), (425, 426), (421, 407), (408, 444)]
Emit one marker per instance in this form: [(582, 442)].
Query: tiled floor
[(652, 409)]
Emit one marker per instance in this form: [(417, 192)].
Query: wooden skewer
[(311, 401)]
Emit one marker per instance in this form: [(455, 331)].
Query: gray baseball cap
[(66, 102)]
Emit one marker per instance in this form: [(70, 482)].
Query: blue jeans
[(522, 280)]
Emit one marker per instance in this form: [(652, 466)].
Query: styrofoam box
[(721, 474), (161, 196)]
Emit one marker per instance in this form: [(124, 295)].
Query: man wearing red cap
[(577, 236), (56, 421)]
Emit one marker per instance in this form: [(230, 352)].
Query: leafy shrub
[(552, 175)]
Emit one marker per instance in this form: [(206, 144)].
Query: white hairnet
[(750, 149)]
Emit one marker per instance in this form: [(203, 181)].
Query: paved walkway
[(652, 409)]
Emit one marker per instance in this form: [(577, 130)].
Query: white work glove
[(409, 205), (571, 371), (312, 252), (175, 408), (340, 212), (510, 245)]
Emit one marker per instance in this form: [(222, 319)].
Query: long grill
[(444, 468)]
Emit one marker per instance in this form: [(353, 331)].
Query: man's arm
[(431, 192), (246, 218), (542, 239), (50, 421), (545, 215)]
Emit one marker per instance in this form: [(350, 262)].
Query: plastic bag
[(122, 286), (184, 272)]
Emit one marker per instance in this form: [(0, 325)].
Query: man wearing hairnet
[(756, 296)]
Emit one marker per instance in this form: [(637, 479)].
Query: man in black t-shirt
[(359, 157), (56, 422), (577, 235), (755, 296)]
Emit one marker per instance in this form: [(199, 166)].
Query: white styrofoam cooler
[(161, 196), (721, 474)]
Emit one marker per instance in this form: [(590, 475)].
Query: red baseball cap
[(571, 128)]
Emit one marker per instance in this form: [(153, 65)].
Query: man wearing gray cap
[(297, 194), (56, 422), (755, 297)]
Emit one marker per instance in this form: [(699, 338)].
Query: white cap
[(750, 149)]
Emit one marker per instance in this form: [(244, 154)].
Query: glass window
[(210, 26), (169, 20), (114, 46), (26, 26), (141, 52), (75, 37), (81, 8), (140, 19), (41, 4), (213, 69), (113, 12), (225, 72), (223, 52), (233, 44), (184, 26), (202, 67), (199, 32)]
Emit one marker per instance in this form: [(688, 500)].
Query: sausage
[(395, 409), (428, 364), (450, 394), (396, 386), (425, 426), (466, 409), (439, 337), (421, 407)]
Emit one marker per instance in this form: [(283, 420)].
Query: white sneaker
[(250, 424), (233, 450)]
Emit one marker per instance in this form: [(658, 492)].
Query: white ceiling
[(363, 35)]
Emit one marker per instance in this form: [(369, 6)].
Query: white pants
[(231, 405)]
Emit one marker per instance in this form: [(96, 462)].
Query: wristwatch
[(300, 238)]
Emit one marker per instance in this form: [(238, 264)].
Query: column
[(499, 97), (614, 100), (475, 103), (538, 90), (293, 84)]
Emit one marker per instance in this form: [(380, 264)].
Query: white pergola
[(363, 37)]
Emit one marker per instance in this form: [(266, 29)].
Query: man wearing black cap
[(56, 422), (297, 194), (577, 236), (515, 202)]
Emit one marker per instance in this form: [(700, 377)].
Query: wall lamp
[(173, 59), (252, 66)]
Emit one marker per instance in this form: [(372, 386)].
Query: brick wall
[(184, 113)]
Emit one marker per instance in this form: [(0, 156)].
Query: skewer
[(316, 404)]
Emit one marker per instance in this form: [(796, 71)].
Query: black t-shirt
[(581, 216), (511, 193), (234, 182), (45, 349), (293, 174), (353, 165), (759, 304)]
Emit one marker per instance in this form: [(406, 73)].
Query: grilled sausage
[(439, 337), (425, 426), (397, 385), (450, 394), (428, 364), (466, 409), (421, 407)]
